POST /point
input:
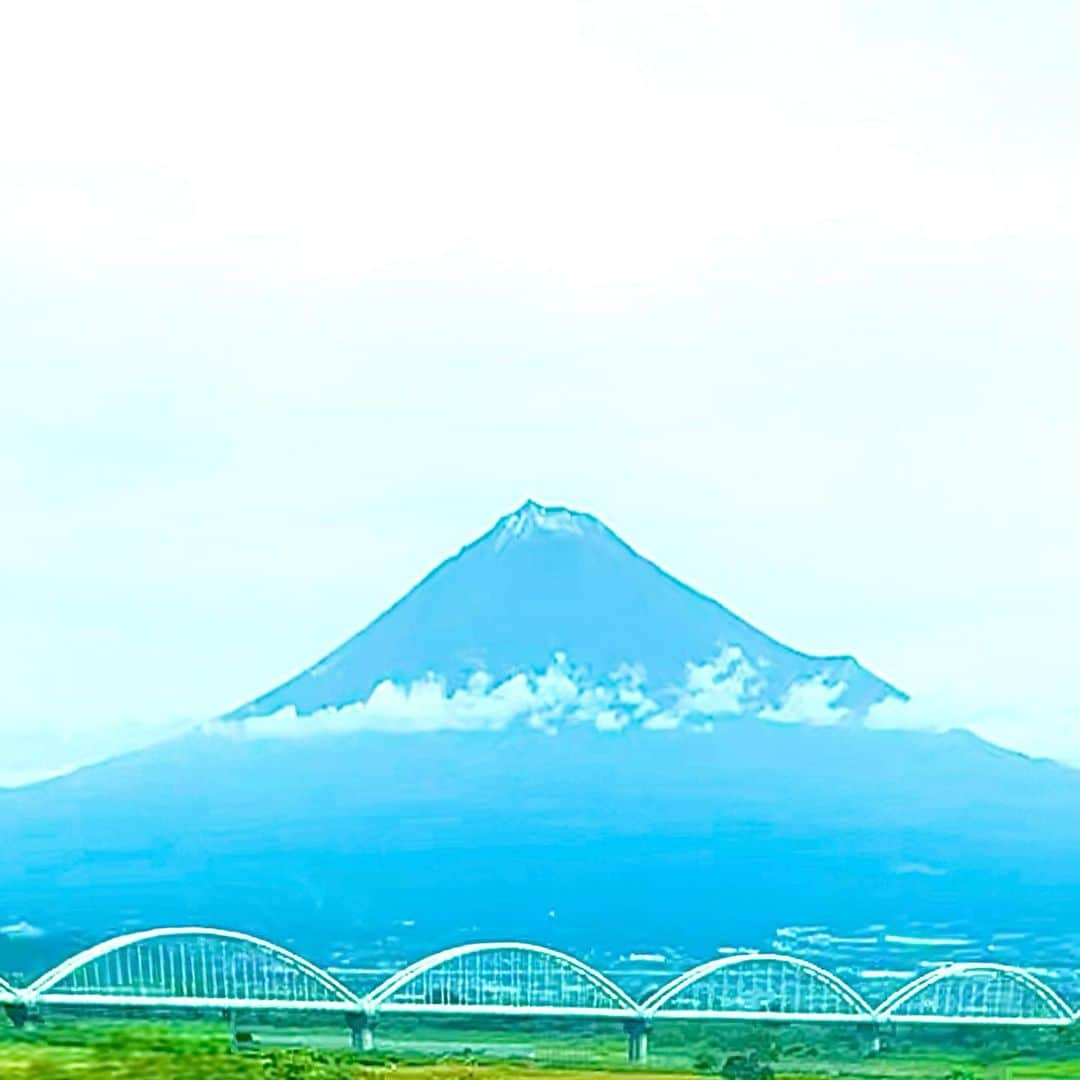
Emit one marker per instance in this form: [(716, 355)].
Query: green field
[(452, 1050)]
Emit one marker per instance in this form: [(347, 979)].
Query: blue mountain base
[(636, 839)]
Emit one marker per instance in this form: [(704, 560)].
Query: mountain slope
[(634, 839), (548, 587), (660, 803)]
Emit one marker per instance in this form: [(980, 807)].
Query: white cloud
[(917, 714), (662, 721), (560, 695), (724, 685), (428, 705), (563, 695), (809, 701)]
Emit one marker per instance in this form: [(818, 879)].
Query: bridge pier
[(241, 1037), (361, 1031), (637, 1041), (17, 1013), (875, 1037)]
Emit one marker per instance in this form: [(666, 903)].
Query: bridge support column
[(362, 1031), (17, 1013), (871, 1039), (637, 1041), (241, 1037)]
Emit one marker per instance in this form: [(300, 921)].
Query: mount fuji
[(549, 618), (550, 738)]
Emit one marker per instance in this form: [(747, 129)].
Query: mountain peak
[(551, 615), (533, 518)]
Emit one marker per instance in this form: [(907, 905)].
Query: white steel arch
[(794, 1004), (308, 987), (515, 978), (958, 1008), (503, 978)]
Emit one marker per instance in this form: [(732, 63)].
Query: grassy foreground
[(177, 1051)]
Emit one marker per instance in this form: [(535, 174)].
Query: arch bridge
[(502, 978), (191, 967), (758, 986), (977, 993), (203, 968)]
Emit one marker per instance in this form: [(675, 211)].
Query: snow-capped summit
[(531, 517), (550, 618)]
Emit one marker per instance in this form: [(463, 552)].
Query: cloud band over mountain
[(724, 687)]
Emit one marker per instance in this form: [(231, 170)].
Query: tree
[(746, 1067)]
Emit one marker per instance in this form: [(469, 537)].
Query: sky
[(295, 301)]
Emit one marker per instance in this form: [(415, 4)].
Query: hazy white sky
[(297, 299)]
